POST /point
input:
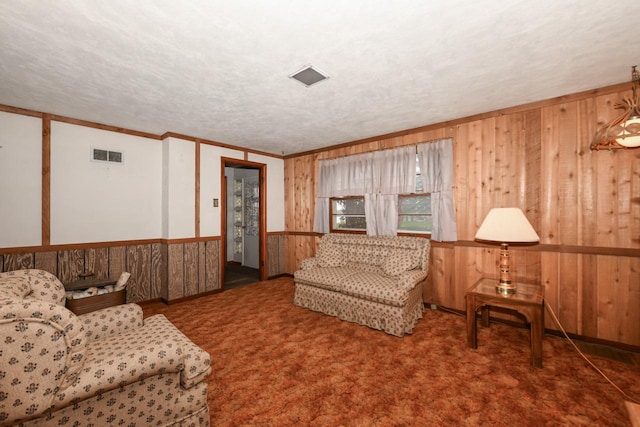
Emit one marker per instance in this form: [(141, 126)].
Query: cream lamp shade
[(508, 225)]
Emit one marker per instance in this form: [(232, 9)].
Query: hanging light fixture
[(624, 130)]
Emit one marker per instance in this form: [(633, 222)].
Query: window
[(414, 213), (347, 214), (414, 210)]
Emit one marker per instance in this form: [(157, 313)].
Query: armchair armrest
[(409, 279), (309, 263), (111, 320)]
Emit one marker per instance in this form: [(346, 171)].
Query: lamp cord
[(555, 319)]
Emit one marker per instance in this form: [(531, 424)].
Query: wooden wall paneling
[(569, 298), (549, 166), (70, 265), (588, 309), (441, 266), (532, 158), (47, 261), (606, 179), (567, 206), (191, 274), (158, 270), (96, 261), (175, 274), (631, 296), (586, 174), (117, 261), (633, 237), (289, 194), (212, 265), (272, 255), (549, 279), (138, 263), (19, 261), (282, 254), (2, 263), (202, 264)]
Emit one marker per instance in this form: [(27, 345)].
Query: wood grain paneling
[(70, 265), (18, 261), (535, 157), (138, 263), (212, 265), (175, 272), (97, 262), (158, 270), (47, 261), (190, 269)]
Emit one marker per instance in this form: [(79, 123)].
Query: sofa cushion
[(330, 278), (330, 255), (399, 261), (375, 287)]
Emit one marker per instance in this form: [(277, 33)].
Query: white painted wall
[(150, 195), (178, 193), (275, 190), (211, 187), (20, 180), (99, 201)]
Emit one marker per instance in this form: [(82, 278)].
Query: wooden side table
[(528, 300), (96, 302)]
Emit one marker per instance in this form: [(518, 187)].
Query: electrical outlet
[(215, 203)]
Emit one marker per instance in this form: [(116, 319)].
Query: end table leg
[(537, 333), (485, 315), (472, 339)]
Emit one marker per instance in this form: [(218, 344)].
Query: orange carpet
[(275, 364)]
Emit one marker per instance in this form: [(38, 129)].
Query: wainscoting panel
[(158, 270)]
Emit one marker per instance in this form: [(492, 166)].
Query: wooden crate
[(97, 302)]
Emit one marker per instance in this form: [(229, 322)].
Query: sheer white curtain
[(344, 176), (393, 172), (436, 167)]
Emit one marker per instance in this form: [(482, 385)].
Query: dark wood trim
[(276, 233), (190, 297), (620, 87), (303, 233), (21, 111), (95, 245), (102, 126), (46, 180), (277, 276), (566, 249), (197, 189)]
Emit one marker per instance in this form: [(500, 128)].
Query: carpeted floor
[(275, 364)]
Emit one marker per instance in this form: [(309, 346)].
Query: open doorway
[(243, 223)]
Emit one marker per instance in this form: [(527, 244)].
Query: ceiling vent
[(309, 75)]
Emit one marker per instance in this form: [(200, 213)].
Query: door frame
[(262, 212)]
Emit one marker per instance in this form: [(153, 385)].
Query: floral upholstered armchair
[(108, 367)]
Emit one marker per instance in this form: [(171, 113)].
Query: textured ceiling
[(219, 69)]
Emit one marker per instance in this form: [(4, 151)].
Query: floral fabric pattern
[(373, 281), (107, 367)]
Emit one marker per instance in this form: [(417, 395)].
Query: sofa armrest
[(197, 362), (409, 279), (157, 348), (309, 263), (43, 351), (111, 320)]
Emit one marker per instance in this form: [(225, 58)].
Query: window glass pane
[(414, 205), (344, 222), (348, 206), (415, 223)]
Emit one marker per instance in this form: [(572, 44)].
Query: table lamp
[(506, 225)]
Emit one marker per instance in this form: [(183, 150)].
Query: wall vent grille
[(102, 155), (309, 75)]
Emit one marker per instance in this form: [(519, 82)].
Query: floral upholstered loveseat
[(108, 367), (373, 281)]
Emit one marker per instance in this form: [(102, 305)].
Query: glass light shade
[(629, 136), (508, 225)]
